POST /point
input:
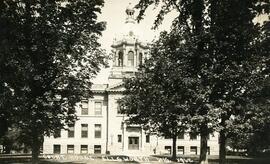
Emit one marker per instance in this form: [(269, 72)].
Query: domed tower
[(128, 50)]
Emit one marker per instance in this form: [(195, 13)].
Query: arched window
[(120, 59), (130, 58), (115, 59), (140, 58)]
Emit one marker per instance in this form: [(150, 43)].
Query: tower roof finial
[(130, 10)]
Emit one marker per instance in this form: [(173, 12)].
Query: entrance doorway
[(133, 143)]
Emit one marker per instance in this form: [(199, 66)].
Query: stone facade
[(101, 128)]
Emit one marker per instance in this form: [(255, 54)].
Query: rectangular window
[(118, 108), (181, 150), (84, 149), (56, 149), (57, 133), (208, 150), (181, 136), (84, 107), (84, 132), (193, 136), (70, 149), (97, 149), (119, 138), (193, 150), (98, 108), (147, 140), (71, 131), (97, 130), (168, 149)]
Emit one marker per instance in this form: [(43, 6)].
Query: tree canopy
[(227, 56), (49, 54)]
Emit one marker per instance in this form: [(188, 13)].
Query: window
[(118, 108), (120, 59), (181, 135), (97, 149), (71, 131), (147, 138), (130, 58), (119, 138), (97, 130), (57, 133), (84, 149), (208, 150), (70, 149), (193, 150), (84, 132), (140, 58), (180, 150), (115, 59), (98, 108), (56, 149), (168, 149), (84, 107), (193, 136)]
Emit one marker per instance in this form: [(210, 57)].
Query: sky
[(114, 14)]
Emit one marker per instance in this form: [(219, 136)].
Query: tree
[(167, 95), (260, 124), (191, 24), (238, 67), (227, 51), (155, 98), (49, 54)]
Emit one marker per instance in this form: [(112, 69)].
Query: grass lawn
[(88, 159)]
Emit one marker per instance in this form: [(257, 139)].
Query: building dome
[(130, 32)]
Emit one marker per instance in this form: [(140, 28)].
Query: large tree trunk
[(203, 150), (222, 147), (35, 146), (35, 153), (174, 148)]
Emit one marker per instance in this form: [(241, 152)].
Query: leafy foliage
[(49, 54), (228, 57)]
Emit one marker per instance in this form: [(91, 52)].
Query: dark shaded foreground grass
[(213, 159), (26, 159)]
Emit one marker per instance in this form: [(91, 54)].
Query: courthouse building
[(101, 128)]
